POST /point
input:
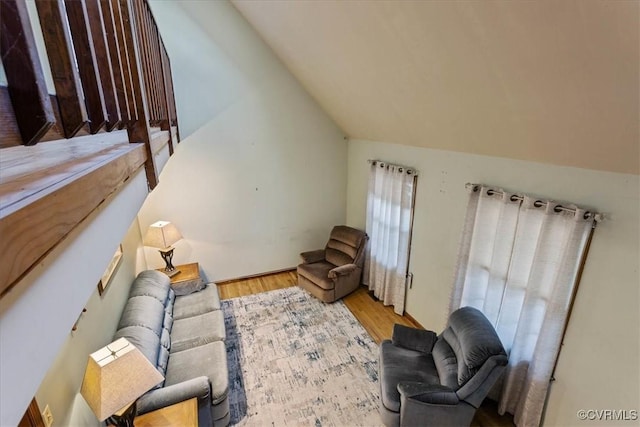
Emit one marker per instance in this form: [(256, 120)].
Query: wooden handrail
[(64, 183), (112, 80)]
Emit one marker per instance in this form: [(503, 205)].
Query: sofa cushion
[(343, 245), (165, 339), (337, 257), (197, 303), (189, 287), (473, 339), (209, 360), (347, 235), (144, 339), (318, 273), (400, 364), (343, 248), (197, 330), (151, 283), (446, 363), (143, 311), (413, 338), (167, 322), (163, 360), (171, 298)]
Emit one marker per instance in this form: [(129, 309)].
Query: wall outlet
[(47, 416)]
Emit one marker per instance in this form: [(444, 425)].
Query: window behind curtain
[(518, 263)]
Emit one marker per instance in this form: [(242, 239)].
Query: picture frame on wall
[(111, 269)]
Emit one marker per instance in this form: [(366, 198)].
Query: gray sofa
[(432, 380), (183, 336)]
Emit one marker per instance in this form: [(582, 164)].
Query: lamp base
[(125, 419), (167, 256)]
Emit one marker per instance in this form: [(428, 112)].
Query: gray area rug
[(294, 360)]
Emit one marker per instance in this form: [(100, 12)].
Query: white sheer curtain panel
[(518, 263), (389, 214)]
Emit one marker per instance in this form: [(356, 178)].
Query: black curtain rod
[(538, 203), (410, 171)]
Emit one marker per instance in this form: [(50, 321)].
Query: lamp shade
[(115, 377), (162, 235)]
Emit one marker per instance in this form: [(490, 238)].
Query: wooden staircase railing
[(112, 82)]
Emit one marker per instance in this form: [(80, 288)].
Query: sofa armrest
[(312, 256), (413, 339), (343, 270), (170, 395), (434, 394)]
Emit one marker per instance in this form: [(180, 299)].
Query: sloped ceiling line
[(550, 82)]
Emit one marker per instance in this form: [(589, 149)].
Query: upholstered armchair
[(439, 380), (333, 272)]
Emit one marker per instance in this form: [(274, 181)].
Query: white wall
[(260, 174), (95, 329), (599, 363), (37, 315)]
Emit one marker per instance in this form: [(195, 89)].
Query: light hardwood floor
[(377, 319)]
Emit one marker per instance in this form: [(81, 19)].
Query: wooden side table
[(183, 414), (188, 277)]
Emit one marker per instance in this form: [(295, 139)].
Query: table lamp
[(163, 235), (115, 377)]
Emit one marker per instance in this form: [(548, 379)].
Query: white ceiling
[(549, 81)]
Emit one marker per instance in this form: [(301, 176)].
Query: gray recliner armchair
[(335, 271), (431, 380)]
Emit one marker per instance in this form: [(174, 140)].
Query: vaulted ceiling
[(549, 81)]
